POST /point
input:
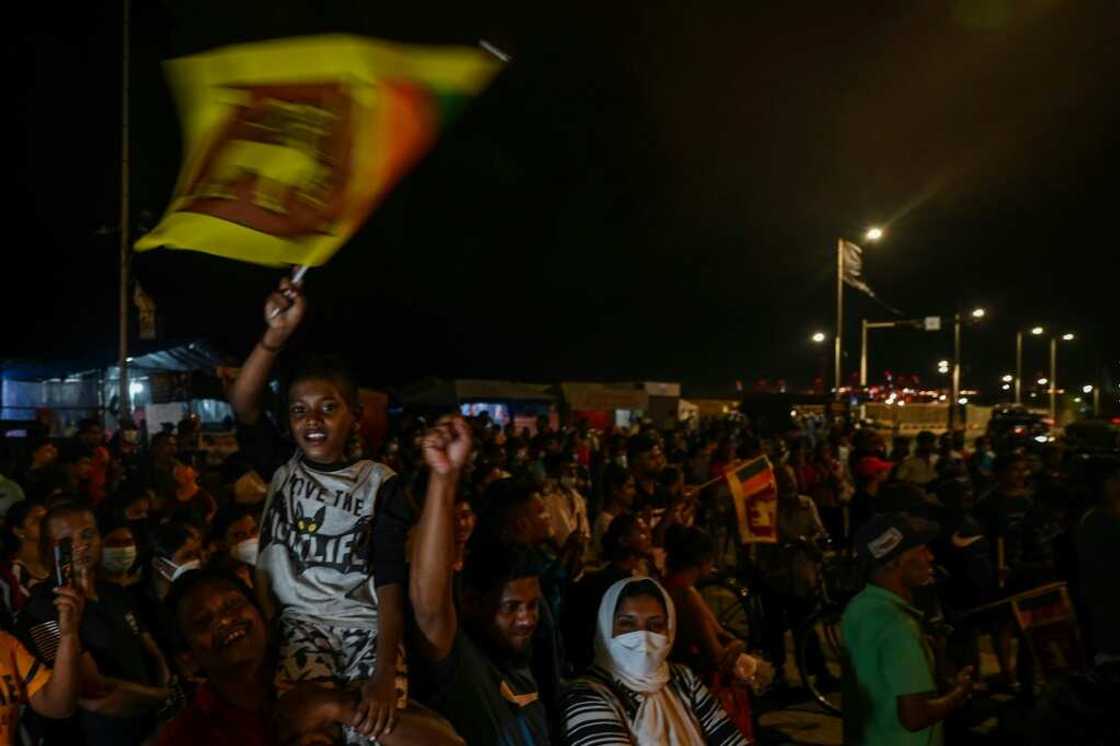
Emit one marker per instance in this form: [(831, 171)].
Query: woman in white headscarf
[(632, 695)]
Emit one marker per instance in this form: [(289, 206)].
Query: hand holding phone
[(64, 562)]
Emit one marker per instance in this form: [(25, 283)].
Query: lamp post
[(1096, 392), (1037, 332), (1067, 337), (818, 339), (954, 397), (873, 234)]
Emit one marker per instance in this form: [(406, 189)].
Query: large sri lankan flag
[(755, 494), (289, 144)]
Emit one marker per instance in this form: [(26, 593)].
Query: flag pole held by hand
[(297, 278)]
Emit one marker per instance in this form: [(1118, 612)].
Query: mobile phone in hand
[(64, 562)]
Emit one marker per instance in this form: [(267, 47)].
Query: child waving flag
[(331, 563)]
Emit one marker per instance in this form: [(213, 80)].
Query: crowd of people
[(469, 583)]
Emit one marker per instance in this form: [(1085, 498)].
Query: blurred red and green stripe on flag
[(289, 144), (755, 495)]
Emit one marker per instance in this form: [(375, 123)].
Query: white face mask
[(172, 572), (118, 560), (639, 653), (245, 551)]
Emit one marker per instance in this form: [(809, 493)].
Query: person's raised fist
[(447, 446)]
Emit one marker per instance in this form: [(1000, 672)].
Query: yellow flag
[(289, 144)]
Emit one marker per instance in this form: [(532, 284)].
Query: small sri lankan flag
[(289, 144), (755, 495)]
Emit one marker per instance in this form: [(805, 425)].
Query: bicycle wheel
[(732, 605), (825, 624)]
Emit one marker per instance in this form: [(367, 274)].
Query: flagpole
[(124, 406), (839, 312)]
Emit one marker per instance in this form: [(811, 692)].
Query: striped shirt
[(599, 710)]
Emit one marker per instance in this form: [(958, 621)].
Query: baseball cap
[(888, 535), (869, 466)]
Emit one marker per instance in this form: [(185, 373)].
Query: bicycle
[(840, 578), (740, 611)]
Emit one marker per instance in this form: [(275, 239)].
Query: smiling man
[(219, 633)]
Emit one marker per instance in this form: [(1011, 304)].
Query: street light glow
[(1086, 389), (1067, 337), (1007, 387), (979, 313), (1037, 331), (963, 400), (873, 234), (1043, 381), (819, 337), (1008, 378)]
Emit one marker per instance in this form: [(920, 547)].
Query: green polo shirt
[(889, 657)]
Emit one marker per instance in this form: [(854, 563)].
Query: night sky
[(648, 192)]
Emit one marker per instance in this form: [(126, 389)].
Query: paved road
[(795, 718)]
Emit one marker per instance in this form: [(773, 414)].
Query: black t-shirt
[(488, 703), (860, 510), (1003, 517), (1098, 550), (659, 497), (110, 633)]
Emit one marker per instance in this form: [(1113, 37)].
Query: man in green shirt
[(891, 697)]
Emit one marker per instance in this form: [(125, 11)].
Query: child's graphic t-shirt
[(329, 535)]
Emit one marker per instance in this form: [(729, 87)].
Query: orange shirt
[(21, 676)]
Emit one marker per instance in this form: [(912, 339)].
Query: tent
[(162, 378)]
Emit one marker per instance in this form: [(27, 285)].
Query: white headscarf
[(638, 660)]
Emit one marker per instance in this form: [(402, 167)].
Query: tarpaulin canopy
[(602, 396), (182, 357), (439, 392)]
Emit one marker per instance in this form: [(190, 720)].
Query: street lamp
[(1043, 381), (819, 337), (1008, 378), (1037, 331), (1067, 337), (1096, 392), (874, 233), (977, 315)]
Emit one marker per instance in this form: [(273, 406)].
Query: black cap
[(888, 535)]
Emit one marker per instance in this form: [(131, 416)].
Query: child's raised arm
[(283, 311)]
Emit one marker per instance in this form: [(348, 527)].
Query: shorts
[(335, 657)]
